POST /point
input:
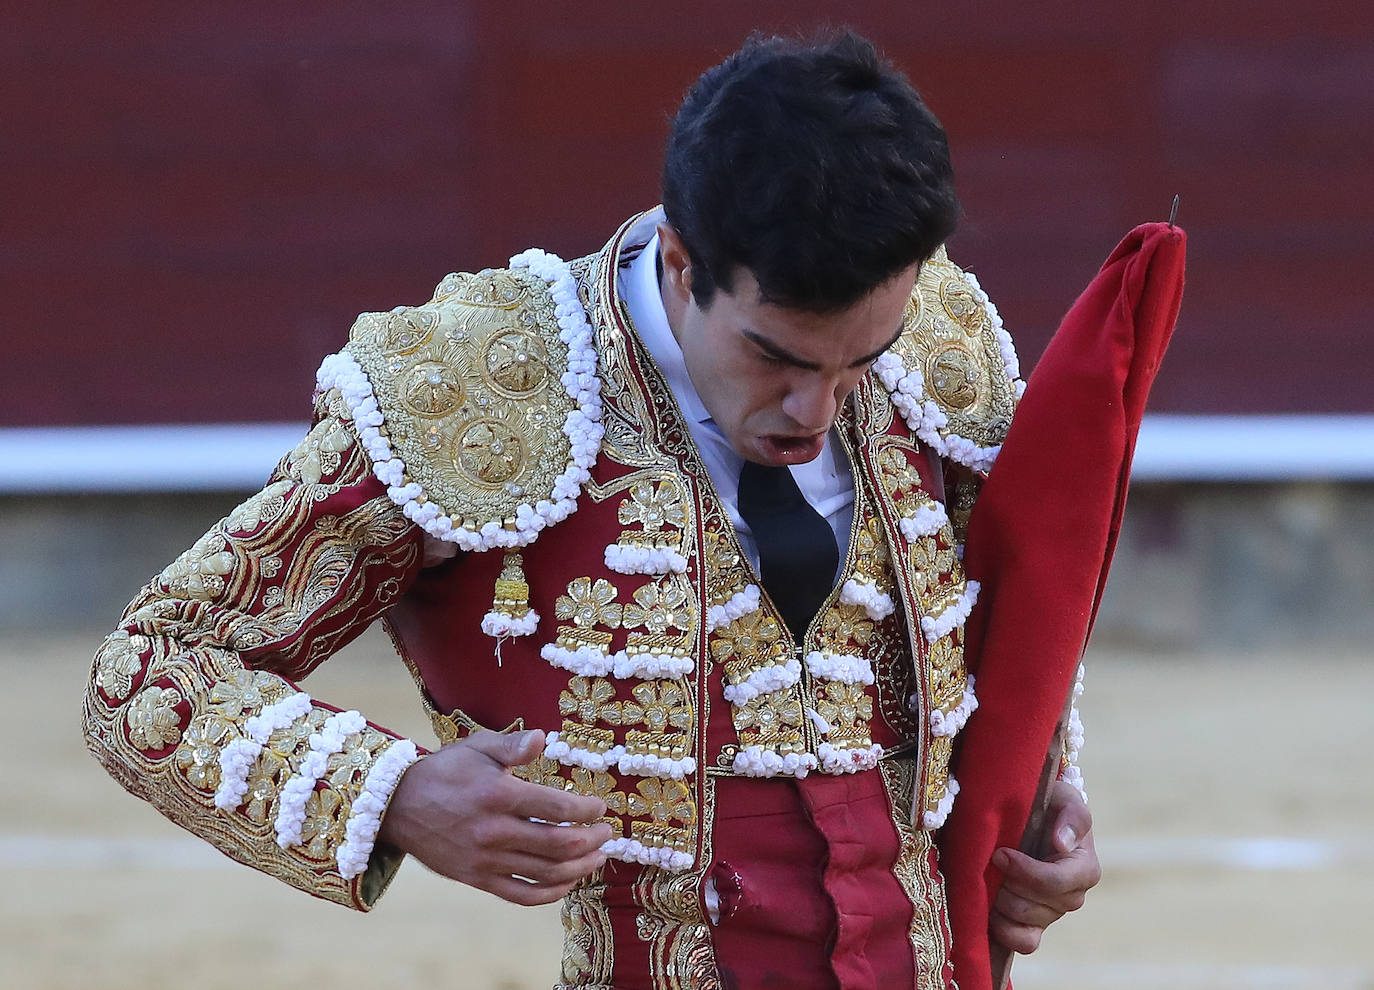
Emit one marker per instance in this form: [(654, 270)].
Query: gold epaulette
[(954, 336), (470, 389)]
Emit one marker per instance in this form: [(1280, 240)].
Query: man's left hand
[(1036, 892)]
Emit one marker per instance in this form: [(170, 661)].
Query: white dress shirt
[(826, 482)]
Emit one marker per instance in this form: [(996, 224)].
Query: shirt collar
[(641, 292)]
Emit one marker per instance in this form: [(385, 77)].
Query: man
[(680, 521)]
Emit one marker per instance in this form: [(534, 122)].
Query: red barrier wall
[(198, 198)]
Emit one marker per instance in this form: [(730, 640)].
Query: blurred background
[(199, 198)]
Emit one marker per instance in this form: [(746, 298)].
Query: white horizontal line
[(1259, 854), (201, 457), (239, 456), (1255, 448)]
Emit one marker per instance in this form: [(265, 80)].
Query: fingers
[(1070, 819), (523, 892), (528, 800), (509, 749), (1024, 911), (1060, 884), (546, 872), (1024, 939)]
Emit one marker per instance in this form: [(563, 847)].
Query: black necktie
[(797, 551)]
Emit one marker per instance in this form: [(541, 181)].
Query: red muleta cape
[(1040, 540)]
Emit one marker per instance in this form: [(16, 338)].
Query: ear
[(677, 263)]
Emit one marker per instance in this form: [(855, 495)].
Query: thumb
[(1072, 822), (508, 749)]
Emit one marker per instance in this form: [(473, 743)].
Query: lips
[(792, 449)]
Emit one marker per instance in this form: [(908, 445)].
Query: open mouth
[(792, 450)]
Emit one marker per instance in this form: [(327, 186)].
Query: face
[(773, 378)]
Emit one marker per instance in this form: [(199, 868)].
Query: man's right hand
[(463, 814)]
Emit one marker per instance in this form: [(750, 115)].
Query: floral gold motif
[(153, 721), (198, 755), (589, 604), (119, 661), (660, 606), (589, 700), (200, 572)]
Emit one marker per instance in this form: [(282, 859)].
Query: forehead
[(840, 336)]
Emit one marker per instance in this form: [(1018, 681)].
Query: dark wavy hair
[(815, 165)]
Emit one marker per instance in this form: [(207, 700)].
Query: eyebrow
[(781, 354)]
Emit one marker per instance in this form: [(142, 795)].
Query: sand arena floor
[(1234, 800)]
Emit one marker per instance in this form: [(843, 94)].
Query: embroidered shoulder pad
[(480, 409), (953, 373)]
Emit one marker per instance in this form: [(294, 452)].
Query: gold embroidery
[(200, 571), (772, 720), (589, 700), (587, 937), (848, 710), (950, 336), (289, 582), (659, 606), (657, 704), (261, 508), (844, 624), (654, 507), (323, 829), (588, 604), (320, 453), (245, 690), (152, 718), (198, 755), (752, 639), (470, 390), (920, 882), (119, 661)]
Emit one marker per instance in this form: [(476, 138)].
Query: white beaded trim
[(838, 761), (649, 666), (877, 604), (500, 624), (949, 723), (846, 668), (740, 604), (953, 617), (237, 758), (296, 792), (589, 661), (365, 816), (755, 761), (634, 851), (585, 661), (934, 819), (1004, 341), (774, 677), (627, 558), (575, 756), (646, 765), (926, 520), (925, 418), (582, 426)]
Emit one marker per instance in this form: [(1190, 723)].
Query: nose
[(811, 403)]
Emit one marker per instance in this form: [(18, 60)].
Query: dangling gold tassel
[(510, 613)]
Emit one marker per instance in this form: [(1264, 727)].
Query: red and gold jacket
[(599, 593)]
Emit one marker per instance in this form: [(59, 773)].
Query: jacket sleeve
[(193, 704)]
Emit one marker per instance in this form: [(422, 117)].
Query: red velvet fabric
[(1040, 541), (804, 873)]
